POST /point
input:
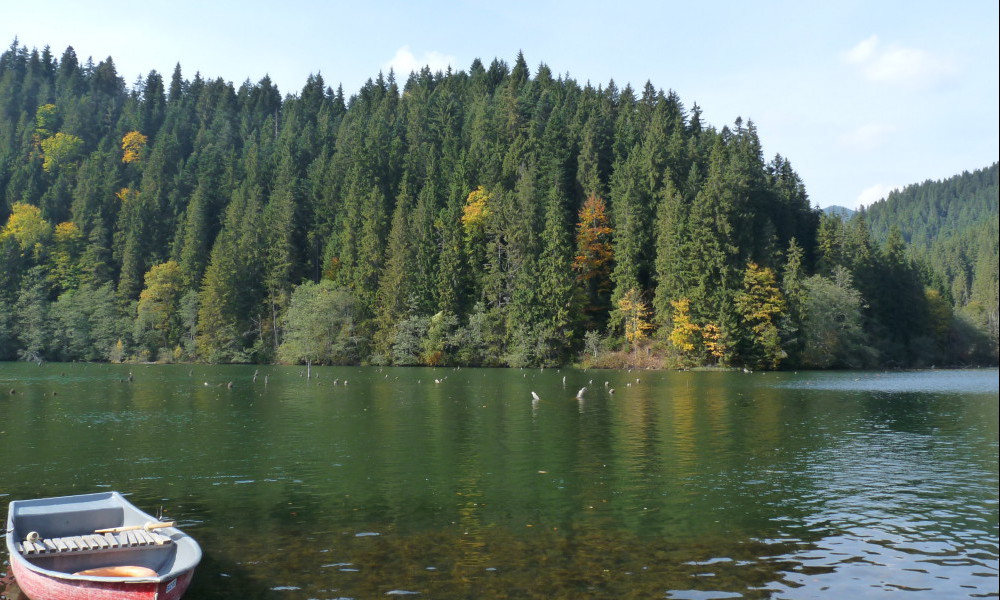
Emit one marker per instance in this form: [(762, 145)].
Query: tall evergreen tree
[(672, 271)]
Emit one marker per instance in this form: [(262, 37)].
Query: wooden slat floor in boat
[(79, 544)]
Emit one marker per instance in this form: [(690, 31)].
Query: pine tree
[(283, 255), (231, 314), (792, 288), (452, 270), (426, 228), (672, 274), (196, 242), (31, 321), (631, 232), (394, 292), (710, 250), (558, 295)]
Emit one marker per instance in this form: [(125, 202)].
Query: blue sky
[(859, 96)]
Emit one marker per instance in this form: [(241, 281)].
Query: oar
[(149, 526)]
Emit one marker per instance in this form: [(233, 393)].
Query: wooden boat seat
[(87, 544)]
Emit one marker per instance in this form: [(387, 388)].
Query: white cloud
[(870, 195), (863, 51), (867, 137), (405, 62), (898, 65)]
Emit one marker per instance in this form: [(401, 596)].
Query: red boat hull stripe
[(38, 586)]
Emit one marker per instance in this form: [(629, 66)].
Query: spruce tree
[(630, 217), (673, 276), (395, 282)]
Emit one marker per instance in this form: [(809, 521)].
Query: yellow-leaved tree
[(715, 341), (61, 150), (476, 211), (46, 118), (635, 314), (132, 146), (760, 305), (27, 226), (684, 334), (157, 322)]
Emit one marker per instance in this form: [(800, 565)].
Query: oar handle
[(148, 527)]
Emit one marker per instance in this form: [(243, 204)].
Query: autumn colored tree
[(760, 305), (157, 324), (61, 150), (133, 145), (593, 261), (477, 210), (715, 341), (684, 333), (27, 227), (635, 317), (46, 122)]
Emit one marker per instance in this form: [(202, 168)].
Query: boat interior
[(66, 541)]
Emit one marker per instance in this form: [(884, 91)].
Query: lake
[(439, 483)]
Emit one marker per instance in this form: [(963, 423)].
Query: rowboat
[(96, 547)]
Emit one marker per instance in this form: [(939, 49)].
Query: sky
[(861, 97)]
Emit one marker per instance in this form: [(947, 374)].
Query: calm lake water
[(370, 483)]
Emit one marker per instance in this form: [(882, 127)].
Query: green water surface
[(438, 483)]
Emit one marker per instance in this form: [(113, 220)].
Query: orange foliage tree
[(594, 254)]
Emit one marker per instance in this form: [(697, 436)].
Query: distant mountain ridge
[(840, 211)]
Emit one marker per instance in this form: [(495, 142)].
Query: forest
[(493, 216), (950, 228)]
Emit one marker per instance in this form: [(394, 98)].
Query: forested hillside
[(951, 228), (935, 211), (492, 216)]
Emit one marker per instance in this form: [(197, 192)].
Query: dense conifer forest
[(951, 228), (491, 216)]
